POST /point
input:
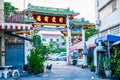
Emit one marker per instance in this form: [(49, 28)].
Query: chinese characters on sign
[(50, 19)]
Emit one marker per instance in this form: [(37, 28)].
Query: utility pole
[(2, 35), (98, 23), (1, 10), (24, 11)]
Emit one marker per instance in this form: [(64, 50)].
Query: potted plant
[(107, 67), (92, 67), (116, 70)]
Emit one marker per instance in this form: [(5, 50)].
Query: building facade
[(108, 17), (107, 22), (12, 44), (49, 37)]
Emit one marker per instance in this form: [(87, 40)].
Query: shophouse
[(108, 24), (12, 44)]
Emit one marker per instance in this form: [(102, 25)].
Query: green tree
[(90, 31), (63, 49), (51, 46), (9, 8), (37, 55)]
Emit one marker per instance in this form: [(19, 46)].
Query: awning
[(110, 38), (80, 45), (116, 43), (15, 26), (91, 45), (77, 46), (22, 37)]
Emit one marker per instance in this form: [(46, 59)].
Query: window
[(51, 39), (114, 30), (57, 46), (57, 40), (63, 43), (106, 11), (104, 33), (118, 4), (44, 39), (114, 5)]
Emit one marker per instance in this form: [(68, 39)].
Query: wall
[(111, 20), (27, 47), (103, 3), (106, 11)]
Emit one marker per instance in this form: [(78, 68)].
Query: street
[(62, 71)]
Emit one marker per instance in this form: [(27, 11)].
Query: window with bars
[(109, 8), (104, 33), (115, 30), (106, 11)]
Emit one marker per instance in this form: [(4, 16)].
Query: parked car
[(58, 56), (53, 57), (48, 56), (62, 56)]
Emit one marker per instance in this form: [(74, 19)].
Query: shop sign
[(49, 19), (76, 30)]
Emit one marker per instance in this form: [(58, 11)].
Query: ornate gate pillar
[(68, 41)]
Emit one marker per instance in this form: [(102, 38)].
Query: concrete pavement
[(62, 71)]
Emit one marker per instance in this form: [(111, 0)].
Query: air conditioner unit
[(98, 22)]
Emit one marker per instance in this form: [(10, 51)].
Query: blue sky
[(84, 7)]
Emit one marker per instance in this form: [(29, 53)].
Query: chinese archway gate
[(45, 16)]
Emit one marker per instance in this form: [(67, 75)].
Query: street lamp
[(1, 10), (24, 11)]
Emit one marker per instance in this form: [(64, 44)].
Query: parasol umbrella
[(85, 53), (85, 50)]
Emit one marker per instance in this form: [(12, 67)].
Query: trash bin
[(74, 62)]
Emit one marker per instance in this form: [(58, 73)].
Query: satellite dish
[(98, 22)]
